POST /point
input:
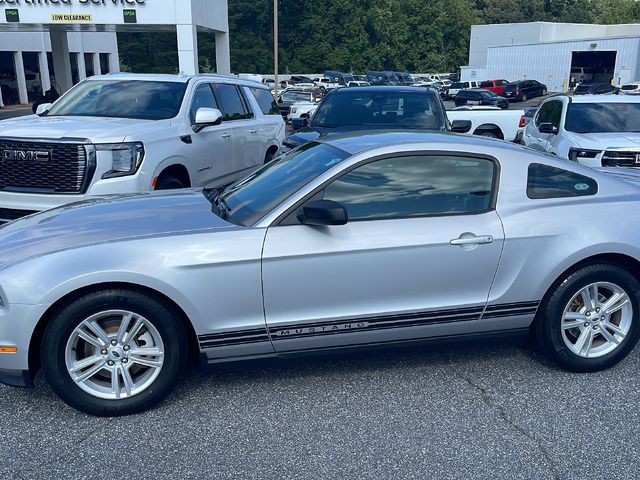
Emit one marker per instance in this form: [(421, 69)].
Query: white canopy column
[(187, 49), (223, 60), (61, 59), (22, 83)]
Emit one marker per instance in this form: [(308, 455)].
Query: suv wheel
[(169, 182), (591, 320), (114, 352), (524, 97)]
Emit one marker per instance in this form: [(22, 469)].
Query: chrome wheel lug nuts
[(586, 324), (103, 351), (588, 314), (597, 310), (124, 360), (126, 348), (111, 363), (114, 342)]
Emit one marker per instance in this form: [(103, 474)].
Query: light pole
[(275, 45)]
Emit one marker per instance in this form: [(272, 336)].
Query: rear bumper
[(16, 378), (519, 137)]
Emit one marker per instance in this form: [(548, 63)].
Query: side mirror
[(547, 128), (43, 107), (461, 126), (323, 213), (207, 117), (298, 123)]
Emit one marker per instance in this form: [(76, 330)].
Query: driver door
[(211, 149), (416, 258)]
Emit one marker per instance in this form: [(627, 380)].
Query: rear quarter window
[(544, 181), (266, 101)]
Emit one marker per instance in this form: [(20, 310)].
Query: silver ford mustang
[(350, 242)]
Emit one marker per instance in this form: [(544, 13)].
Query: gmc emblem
[(26, 155)]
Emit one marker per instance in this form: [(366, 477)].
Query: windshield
[(512, 87), (603, 117), (380, 109), (121, 99), (296, 96), (247, 201), (583, 89), (382, 77)]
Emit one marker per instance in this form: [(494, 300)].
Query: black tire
[(547, 331), (269, 157), (169, 182), (58, 332), (487, 134)]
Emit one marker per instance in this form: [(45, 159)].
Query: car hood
[(107, 219), (96, 129), (604, 141)]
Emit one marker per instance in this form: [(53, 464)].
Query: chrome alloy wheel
[(596, 320), (114, 354)]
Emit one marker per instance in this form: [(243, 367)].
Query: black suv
[(480, 97), (376, 108), (595, 88), (522, 90)]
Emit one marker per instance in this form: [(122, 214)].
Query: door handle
[(226, 135), (253, 131), (470, 239)]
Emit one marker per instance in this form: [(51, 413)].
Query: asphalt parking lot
[(473, 411)]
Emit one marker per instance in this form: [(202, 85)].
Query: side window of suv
[(266, 101), (233, 105), (550, 112), (202, 98), (415, 186)]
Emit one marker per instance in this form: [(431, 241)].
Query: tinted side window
[(415, 186), (550, 112), (545, 181), (233, 106), (202, 98), (266, 101)]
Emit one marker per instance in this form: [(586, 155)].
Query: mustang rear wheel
[(590, 321), (114, 352)]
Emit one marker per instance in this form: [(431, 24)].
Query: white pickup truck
[(123, 133), (492, 122)]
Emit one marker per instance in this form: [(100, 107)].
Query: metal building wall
[(550, 63)]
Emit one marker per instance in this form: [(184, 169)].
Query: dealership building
[(61, 42), (555, 54)]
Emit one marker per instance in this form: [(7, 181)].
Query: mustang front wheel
[(114, 352)]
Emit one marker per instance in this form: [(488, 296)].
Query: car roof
[(382, 88), (605, 99), (161, 77), (361, 141)]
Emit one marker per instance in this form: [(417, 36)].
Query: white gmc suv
[(122, 133), (594, 130)]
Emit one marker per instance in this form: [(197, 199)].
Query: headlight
[(577, 154), (125, 158)]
